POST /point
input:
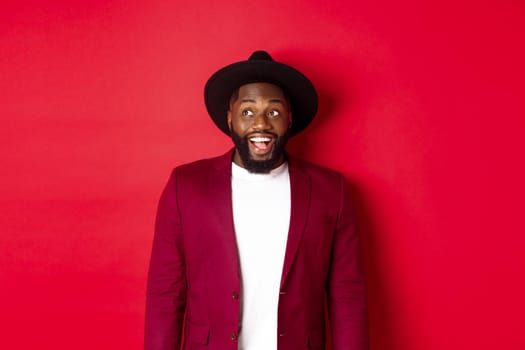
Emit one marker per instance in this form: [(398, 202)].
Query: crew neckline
[(242, 173)]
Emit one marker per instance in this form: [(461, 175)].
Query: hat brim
[(302, 94)]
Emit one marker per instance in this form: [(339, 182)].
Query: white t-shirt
[(261, 214)]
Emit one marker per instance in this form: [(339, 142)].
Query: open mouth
[(261, 144)]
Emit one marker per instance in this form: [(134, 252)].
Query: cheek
[(238, 125), (282, 126)]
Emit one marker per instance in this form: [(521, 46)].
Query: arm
[(166, 290), (346, 289)]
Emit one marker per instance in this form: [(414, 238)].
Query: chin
[(255, 164)]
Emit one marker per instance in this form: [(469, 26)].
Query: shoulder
[(204, 166), (327, 187), (196, 165), (197, 179), (315, 171)]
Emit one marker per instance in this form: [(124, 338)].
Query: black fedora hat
[(259, 68)]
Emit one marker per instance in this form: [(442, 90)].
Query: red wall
[(421, 107)]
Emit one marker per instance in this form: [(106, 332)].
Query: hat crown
[(260, 56), (260, 68)]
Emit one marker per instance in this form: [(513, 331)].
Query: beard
[(259, 166)]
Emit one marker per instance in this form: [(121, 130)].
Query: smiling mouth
[(261, 144)]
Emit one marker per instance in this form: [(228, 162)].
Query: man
[(249, 245)]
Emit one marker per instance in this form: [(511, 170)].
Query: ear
[(290, 120), (229, 116)]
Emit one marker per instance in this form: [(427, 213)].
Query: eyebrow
[(247, 100)]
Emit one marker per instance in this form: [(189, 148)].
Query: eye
[(247, 113), (273, 113)]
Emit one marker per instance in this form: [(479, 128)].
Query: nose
[(261, 122)]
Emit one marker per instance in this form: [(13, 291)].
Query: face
[(259, 119)]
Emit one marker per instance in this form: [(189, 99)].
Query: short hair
[(233, 97)]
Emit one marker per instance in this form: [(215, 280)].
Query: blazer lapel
[(220, 193), (219, 184), (300, 202)]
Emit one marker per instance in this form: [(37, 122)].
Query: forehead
[(261, 90)]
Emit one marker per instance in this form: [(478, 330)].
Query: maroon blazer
[(194, 282)]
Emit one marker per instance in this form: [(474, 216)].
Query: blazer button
[(233, 336), (235, 295)]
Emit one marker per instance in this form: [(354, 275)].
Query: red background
[(421, 107)]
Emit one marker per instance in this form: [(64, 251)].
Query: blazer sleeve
[(166, 286), (346, 289)]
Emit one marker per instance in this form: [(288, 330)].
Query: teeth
[(260, 139)]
